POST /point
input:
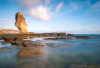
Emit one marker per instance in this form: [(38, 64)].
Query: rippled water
[(76, 53)]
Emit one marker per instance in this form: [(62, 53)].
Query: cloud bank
[(41, 13), (39, 9)]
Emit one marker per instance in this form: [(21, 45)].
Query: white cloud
[(38, 9), (59, 6), (40, 13)]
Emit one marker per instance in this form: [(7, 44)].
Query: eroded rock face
[(21, 23)]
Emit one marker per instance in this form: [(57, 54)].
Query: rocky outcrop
[(21, 23)]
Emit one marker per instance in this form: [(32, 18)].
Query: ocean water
[(75, 53)]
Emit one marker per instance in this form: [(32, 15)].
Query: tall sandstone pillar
[(21, 23)]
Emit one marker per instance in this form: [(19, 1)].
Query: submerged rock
[(58, 45), (21, 23), (59, 38), (82, 37), (29, 52)]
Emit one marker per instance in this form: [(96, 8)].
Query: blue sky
[(71, 16)]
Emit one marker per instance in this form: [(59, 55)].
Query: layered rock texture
[(21, 23)]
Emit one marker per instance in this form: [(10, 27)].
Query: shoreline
[(23, 40)]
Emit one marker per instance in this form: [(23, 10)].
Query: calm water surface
[(76, 53)]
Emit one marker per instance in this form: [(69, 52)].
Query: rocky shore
[(28, 48), (31, 48)]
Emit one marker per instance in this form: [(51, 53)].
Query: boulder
[(29, 52), (18, 43), (29, 43), (21, 23)]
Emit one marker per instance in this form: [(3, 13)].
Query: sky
[(70, 16)]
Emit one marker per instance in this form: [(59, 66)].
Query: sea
[(72, 53)]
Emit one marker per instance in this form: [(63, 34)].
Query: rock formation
[(21, 23)]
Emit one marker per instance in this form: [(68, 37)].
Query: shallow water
[(78, 53)]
